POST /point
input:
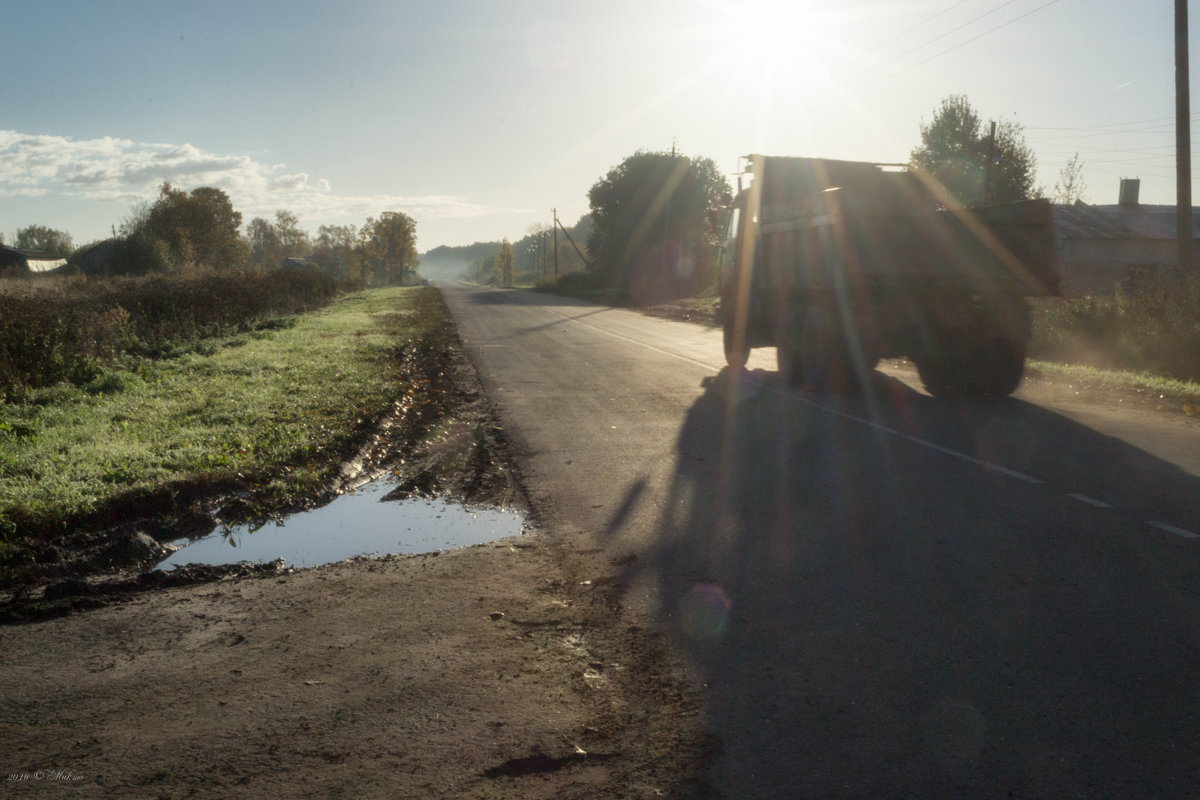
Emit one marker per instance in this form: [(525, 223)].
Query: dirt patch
[(501, 670)]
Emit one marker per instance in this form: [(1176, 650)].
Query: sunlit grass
[(1185, 394), (269, 411)]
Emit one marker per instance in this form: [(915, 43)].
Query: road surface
[(882, 595)]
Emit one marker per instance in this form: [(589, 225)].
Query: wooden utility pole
[(1183, 140), (987, 170), (554, 211)]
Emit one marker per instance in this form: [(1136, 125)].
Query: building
[(14, 262), (1103, 247)]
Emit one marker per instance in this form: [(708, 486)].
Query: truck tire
[(787, 353), (989, 367), (829, 361), (944, 375), (820, 359), (997, 366), (735, 356)]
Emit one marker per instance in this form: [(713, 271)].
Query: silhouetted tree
[(53, 243), (954, 149), (1070, 186), (653, 232)]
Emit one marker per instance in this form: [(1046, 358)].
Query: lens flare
[(704, 611)]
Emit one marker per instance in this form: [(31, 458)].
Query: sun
[(780, 40)]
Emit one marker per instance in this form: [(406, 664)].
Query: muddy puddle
[(355, 524)]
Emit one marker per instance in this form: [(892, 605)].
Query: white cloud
[(121, 170)]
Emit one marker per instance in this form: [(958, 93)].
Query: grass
[(269, 412), (1169, 393)]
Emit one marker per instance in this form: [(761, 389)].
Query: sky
[(478, 117)]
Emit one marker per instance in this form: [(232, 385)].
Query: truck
[(840, 264)]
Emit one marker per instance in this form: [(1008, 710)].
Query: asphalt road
[(881, 595)]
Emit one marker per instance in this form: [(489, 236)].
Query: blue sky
[(476, 118)]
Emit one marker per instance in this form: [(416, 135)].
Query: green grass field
[(270, 412)]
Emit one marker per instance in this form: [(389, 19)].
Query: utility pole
[(554, 211), (987, 171), (1183, 140)]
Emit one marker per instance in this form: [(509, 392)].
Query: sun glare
[(778, 38)]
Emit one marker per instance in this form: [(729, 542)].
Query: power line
[(940, 36), (921, 24), (968, 41)]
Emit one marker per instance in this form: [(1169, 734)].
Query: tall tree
[(198, 228), (265, 249), (295, 242), (955, 149), (52, 242), (1070, 186), (653, 230), (504, 263), (334, 250), (390, 244)]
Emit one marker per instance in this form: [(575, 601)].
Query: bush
[(1153, 327), (67, 330)]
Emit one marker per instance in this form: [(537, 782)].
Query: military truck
[(839, 264)]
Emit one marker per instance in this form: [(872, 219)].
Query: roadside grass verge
[(1165, 393), (272, 413)]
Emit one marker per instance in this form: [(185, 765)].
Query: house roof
[(45, 264), (1081, 221)]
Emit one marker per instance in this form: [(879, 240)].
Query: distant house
[(101, 258), (1101, 248), (14, 262)]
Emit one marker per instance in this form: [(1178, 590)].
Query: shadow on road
[(876, 610)]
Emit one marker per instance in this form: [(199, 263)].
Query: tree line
[(185, 231)]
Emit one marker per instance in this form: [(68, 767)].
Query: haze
[(476, 118)]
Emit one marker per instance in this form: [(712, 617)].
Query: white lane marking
[(1162, 526), (869, 423), (979, 462), (1091, 501)]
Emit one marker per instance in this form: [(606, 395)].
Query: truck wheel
[(787, 354), (735, 356), (984, 368), (826, 357), (997, 367), (944, 374), (818, 353)]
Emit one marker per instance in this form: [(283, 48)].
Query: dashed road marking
[(1091, 501), (1162, 526)]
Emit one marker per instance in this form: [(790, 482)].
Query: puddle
[(352, 525)]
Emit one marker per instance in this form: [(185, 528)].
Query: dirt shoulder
[(502, 670)]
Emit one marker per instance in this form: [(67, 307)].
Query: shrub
[(1154, 327), (66, 330)]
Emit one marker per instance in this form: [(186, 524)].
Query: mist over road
[(881, 595)]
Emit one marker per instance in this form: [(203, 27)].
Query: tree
[(48, 240), (335, 251), (1070, 186), (292, 239), (954, 150), (653, 232), (504, 263), (390, 244), (270, 243), (262, 240), (197, 228)]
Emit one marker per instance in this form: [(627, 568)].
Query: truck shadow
[(894, 595)]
